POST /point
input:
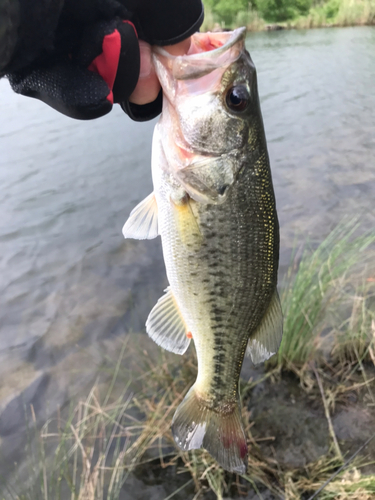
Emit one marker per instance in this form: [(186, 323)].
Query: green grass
[(321, 289), (88, 452)]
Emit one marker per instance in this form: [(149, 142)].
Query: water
[(317, 102), (70, 284)]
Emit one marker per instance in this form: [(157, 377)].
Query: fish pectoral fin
[(266, 339), (187, 225), (166, 326), (143, 220)]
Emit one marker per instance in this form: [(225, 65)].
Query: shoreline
[(289, 27), (282, 27)]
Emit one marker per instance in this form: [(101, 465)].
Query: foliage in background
[(337, 13), (226, 10), (282, 10), (228, 14)]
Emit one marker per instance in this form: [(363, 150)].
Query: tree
[(282, 10), (227, 10)]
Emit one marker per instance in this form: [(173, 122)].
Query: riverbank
[(326, 14), (306, 412)]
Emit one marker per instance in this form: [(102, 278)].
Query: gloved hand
[(84, 82), (81, 56)]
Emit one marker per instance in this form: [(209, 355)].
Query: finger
[(148, 86), (179, 49), (145, 102)]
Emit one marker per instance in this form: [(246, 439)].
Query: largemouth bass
[(214, 207)]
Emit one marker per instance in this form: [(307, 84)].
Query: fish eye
[(238, 98)]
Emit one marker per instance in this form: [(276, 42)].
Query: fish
[(213, 205)]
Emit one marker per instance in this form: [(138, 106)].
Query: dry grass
[(105, 439), (123, 426)]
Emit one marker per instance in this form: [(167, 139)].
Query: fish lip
[(236, 36)]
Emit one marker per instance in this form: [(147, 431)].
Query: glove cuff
[(145, 112)]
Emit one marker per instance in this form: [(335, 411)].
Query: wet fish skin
[(216, 214)]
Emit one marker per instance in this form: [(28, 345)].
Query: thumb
[(148, 86)]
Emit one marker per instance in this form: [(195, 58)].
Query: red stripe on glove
[(106, 63)]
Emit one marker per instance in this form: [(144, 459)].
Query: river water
[(69, 282)]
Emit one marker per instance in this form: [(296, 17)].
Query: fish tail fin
[(221, 434)]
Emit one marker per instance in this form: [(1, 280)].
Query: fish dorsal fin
[(265, 341), (143, 220), (166, 326)]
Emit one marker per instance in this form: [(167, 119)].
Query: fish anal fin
[(195, 425), (142, 223), (266, 339), (166, 326)]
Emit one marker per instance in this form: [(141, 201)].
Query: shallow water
[(70, 283)]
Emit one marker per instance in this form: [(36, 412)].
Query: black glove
[(81, 56), (85, 83)]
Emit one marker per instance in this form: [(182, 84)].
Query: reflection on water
[(70, 283)]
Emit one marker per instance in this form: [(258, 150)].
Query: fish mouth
[(208, 51)]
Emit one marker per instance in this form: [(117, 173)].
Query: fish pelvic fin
[(266, 339), (166, 326), (143, 220), (196, 426)]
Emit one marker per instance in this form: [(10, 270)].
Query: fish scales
[(215, 208), (227, 280)]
